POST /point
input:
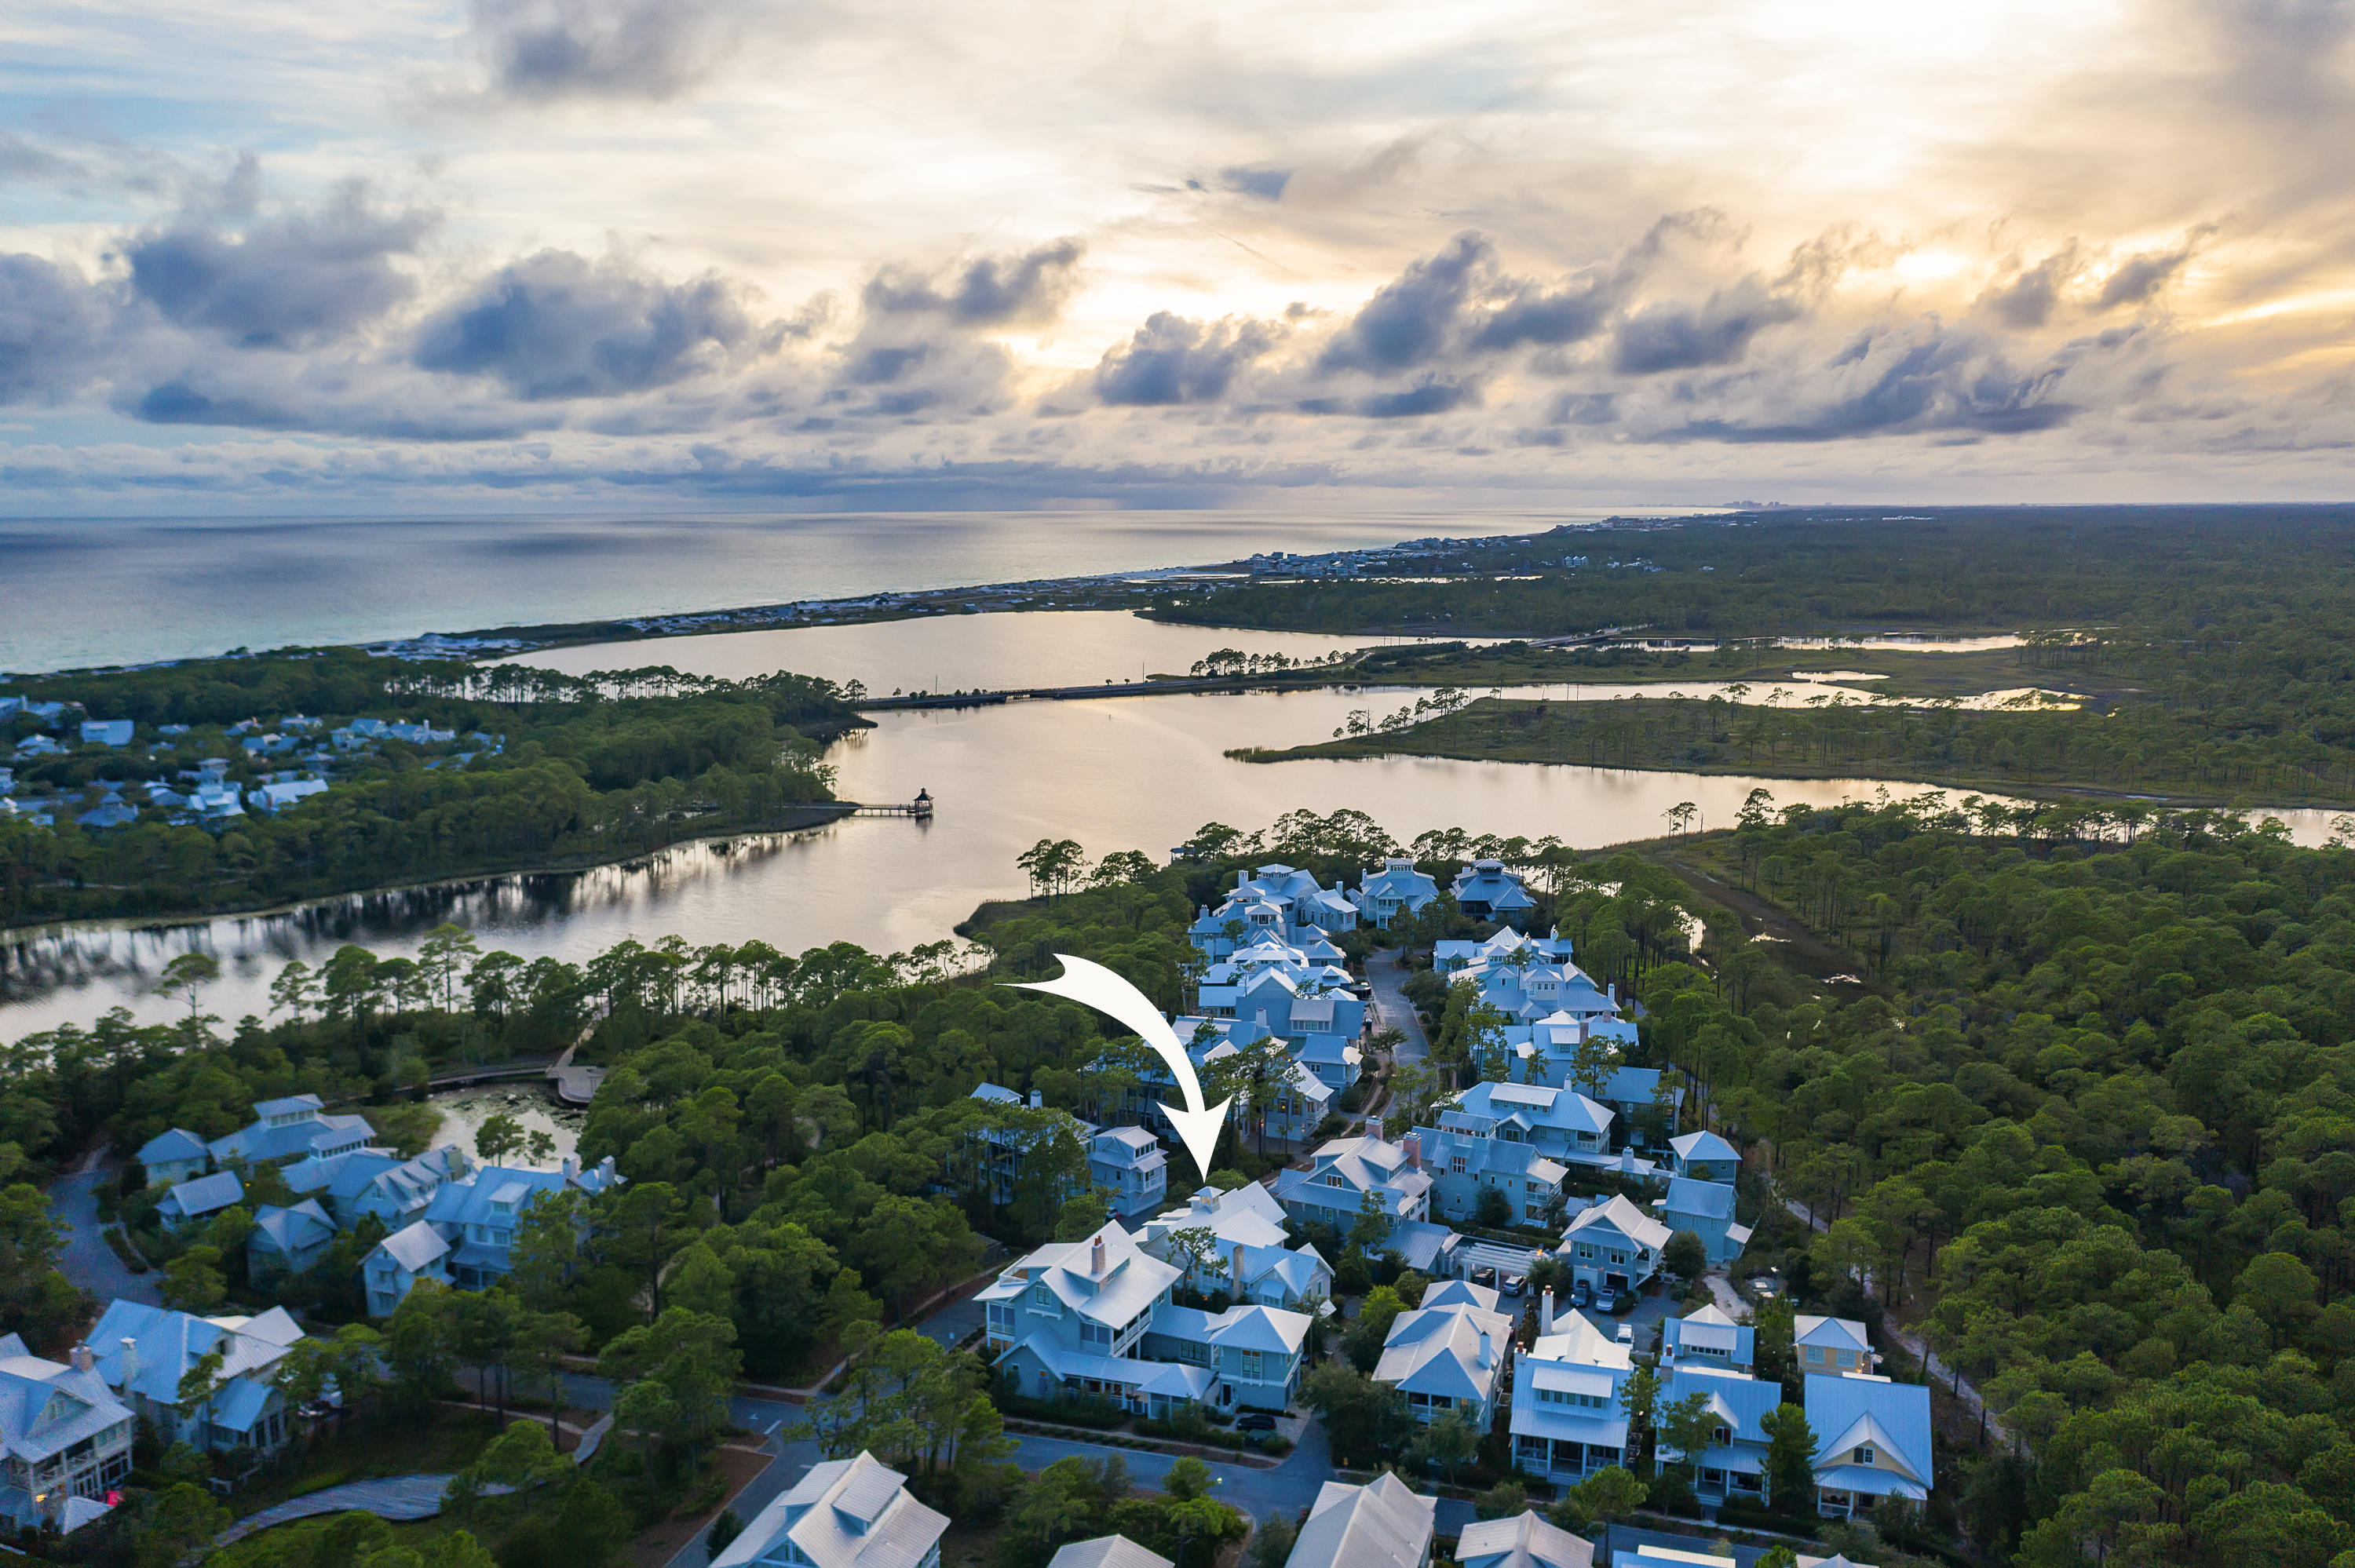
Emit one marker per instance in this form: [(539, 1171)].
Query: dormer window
[(1864, 1454)]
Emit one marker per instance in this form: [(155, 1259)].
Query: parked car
[(1484, 1275), (1627, 1334), (1582, 1293), (1607, 1301), (1514, 1285), (1258, 1421)]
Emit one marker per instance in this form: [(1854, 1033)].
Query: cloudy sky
[(694, 253)]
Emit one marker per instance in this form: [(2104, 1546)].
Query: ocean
[(75, 593)]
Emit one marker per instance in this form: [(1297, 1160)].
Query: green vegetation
[(2136, 747), (2217, 650), (2085, 1121), (586, 769)]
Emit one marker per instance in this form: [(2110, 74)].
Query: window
[(1864, 1454), (1815, 1355), (1721, 1435), (1457, 1164)]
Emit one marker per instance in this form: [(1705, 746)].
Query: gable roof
[(205, 1195), (1893, 1417), (1702, 1200), (173, 1143), (416, 1246), (1108, 1552), (1741, 1402), (165, 1344), (1457, 1351), (1131, 1280), (291, 1230), (846, 1513), (45, 1408), (1522, 1541), (1618, 1213), (1383, 1524), (1693, 1146), (1831, 1333)]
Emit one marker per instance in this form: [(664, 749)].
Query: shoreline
[(828, 813)]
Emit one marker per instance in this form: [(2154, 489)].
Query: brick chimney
[(1096, 1257), (1545, 1311), (81, 1358), (1413, 1144)]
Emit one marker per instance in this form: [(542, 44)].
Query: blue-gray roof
[(1902, 1410), (1707, 1200), (205, 1195), (172, 1144)]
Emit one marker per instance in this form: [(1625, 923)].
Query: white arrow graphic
[(1092, 985)]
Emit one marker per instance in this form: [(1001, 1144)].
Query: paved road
[(1386, 973), (87, 1260)]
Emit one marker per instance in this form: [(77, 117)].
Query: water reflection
[(1120, 773), (464, 1112)]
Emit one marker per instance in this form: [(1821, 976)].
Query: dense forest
[(2135, 750), (575, 771), (2084, 1114)]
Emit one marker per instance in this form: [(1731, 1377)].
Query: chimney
[(130, 1359), (1038, 1101), (1238, 1266), (1487, 1356), (1413, 1144), (1545, 1312), (572, 1167), (81, 1358), (1096, 1257)]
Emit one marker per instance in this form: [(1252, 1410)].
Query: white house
[(1706, 1209), (1733, 1466), (173, 1156), (1831, 1344), (1569, 1419), (1397, 888), (1525, 1540), (1347, 1172), (1249, 1253), (1614, 1245), (1707, 1337), (1560, 1124), (1127, 1167), (295, 1128), (1449, 1353), (416, 1251), (1872, 1441), (1097, 1318), (64, 1435), (846, 1513), (144, 1353), (199, 1198), (1465, 1165), (1383, 1524), (287, 1240), (1485, 890)]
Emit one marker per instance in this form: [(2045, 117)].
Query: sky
[(263, 255)]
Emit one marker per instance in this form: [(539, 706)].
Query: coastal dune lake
[(1134, 772)]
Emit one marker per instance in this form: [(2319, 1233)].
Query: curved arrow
[(1092, 985)]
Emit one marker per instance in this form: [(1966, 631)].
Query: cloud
[(1689, 337), (1267, 184), (2027, 299), (51, 328), (1414, 319), (1027, 288), (539, 51), (1173, 360), (1567, 315), (555, 325), (1928, 378), (299, 276), (2139, 277)]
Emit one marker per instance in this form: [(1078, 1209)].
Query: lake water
[(113, 591), (952, 652), (1116, 773), (464, 1112)]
